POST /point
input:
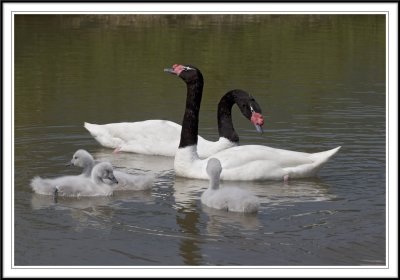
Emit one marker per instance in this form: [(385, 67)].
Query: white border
[(390, 270), (200, 7)]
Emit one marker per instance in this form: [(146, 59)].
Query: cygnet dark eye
[(75, 157)]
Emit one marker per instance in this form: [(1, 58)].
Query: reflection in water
[(189, 248), (90, 212), (187, 193), (187, 218), (280, 193), (93, 212), (218, 220)]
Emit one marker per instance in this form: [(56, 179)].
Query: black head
[(249, 108), (246, 103), (188, 73)]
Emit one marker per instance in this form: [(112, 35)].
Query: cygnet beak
[(113, 179)]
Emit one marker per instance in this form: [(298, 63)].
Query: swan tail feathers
[(311, 169), (323, 157), (94, 129), (42, 186), (103, 136)]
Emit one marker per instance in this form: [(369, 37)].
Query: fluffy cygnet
[(126, 182), (230, 199), (98, 184)]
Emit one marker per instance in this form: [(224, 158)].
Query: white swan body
[(161, 137), (126, 182), (130, 136), (244, 163), (76, 186), (253, 163), (230, 199), (150, 137)]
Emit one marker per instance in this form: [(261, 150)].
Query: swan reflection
[(91, 212), (218, 220)]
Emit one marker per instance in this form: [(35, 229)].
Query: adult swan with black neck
[(161, 137), (243, 163)]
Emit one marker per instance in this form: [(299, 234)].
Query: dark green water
[(319, 79)]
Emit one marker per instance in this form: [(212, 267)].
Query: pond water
[(319, 79)]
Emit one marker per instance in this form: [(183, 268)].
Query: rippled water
[(319, 79)]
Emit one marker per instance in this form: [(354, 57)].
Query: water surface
[(321, 83)]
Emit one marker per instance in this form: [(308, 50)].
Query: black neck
[(225, 125), (190, 123)]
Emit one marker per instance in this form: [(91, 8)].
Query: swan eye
[(75, 157)]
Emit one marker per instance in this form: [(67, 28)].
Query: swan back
[(129, 182)]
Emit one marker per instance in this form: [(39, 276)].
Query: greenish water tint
[(320, 80)]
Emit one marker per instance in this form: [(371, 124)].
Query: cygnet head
[(103, 171), (82, 158), (214, 168), (188, 73)]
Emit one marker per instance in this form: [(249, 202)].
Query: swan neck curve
[(190, 123), (225, 124), (96, 178)]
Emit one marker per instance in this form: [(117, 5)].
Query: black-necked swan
[(243, 163), (126, 182), (98, 184), (161, 137), (230, 199)]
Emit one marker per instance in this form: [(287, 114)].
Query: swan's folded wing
[(154, 137), (133, 182)]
